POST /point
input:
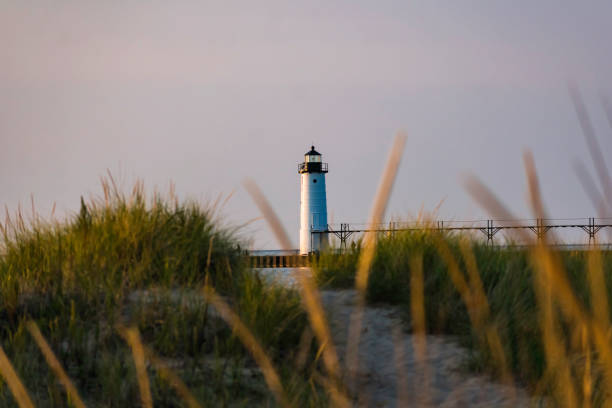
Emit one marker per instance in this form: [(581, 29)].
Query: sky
[(204, 94)]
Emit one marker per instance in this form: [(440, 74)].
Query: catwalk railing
[(540, 226)]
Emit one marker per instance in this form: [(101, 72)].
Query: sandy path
[(434, 380), (387, 358)]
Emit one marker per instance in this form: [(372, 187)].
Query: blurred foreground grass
[(137, 301)]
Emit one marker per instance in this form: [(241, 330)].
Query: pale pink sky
[(206, 93)]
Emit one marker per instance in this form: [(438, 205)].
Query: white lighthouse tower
[(313, 203)]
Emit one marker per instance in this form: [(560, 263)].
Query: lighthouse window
[(313, 158), (314, 180)]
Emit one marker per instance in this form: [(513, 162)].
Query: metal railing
[(540, 227), (312, 167)]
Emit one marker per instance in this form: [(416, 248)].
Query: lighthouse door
[(315, 219)]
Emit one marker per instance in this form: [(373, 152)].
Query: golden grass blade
[(378, 211), (303, 348), (310, 296), (339, 399), (601, 340), (215, 204), (106, 191), (456, 276), (132, 337), (548, 281), (266, 209), (14, 383), (113, 184), (601, 318), (417, 313), (369, 248), (590, 187), (592, 143), (487, 200), (543, 254), (55, 365), (476, 303), (209, 257), (482, 313), (535, 197), (164, 370), (173, 379), (552, 278), (549, 273), (477, 295), (587, 382), (597, 286), (318, 322), (248, 339), (557, 366), (556, 284), (172, 197), (33, 207), (228, 198), (563, 292), (248, 222), (497, 350)]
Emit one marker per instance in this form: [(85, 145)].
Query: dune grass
[(126, 261), (471, 290)]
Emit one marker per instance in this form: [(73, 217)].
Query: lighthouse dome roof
[(312, 152)]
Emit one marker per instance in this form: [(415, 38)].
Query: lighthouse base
[(314, 241)]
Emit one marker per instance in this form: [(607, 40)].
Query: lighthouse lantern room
[(313, 203)]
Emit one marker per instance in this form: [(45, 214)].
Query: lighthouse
[(313, 203)]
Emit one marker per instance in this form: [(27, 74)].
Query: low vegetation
[(125, 263), (534, 317)]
